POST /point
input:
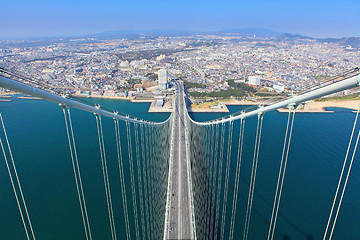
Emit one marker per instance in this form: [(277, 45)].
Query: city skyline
[(48, 19)]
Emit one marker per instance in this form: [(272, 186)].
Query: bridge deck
[(179, 222)]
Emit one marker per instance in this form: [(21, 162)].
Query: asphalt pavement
[(180, 225)]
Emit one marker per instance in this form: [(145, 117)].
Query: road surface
[(180, 225)]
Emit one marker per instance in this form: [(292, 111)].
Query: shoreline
[(100, 96), (30, 98), (320, 107), (309, 107)]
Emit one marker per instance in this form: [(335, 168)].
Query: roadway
[(180, 225)]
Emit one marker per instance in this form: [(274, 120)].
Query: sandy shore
[(341, 104), (224, 109), (8, 94), (142, 100), (310, 107), (30, 98), (317, 107)]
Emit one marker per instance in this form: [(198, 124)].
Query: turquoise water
[(38, 139), (337, 109)]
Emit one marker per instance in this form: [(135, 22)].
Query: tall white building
[(254, 80), (163, 79)]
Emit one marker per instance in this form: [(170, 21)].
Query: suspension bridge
[(179, 169)]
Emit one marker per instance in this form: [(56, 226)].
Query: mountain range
[(354, 42)]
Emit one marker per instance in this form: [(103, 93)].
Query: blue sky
[(316, 18)]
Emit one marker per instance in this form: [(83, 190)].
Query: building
[(163, 79), (159, 103), (278, 88), (254, 80)]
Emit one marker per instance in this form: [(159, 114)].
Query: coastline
[(309, 107), (100, 96), (320, 107), (30, 98)]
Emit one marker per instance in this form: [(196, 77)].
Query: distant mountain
[(354, 42), (290, 37), (252, 31), (138, 33), (262, 32), (118, 32)]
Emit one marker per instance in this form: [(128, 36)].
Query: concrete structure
[(159, 103), (179, 222), (278, 87), (254, 80), (163, 79), (124, 64)]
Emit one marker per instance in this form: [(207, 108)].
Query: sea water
[(38, 140)]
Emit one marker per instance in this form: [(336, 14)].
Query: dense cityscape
[(128, 66), (180, 120)]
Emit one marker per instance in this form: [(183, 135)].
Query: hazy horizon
[(321, 18), (154, 31)]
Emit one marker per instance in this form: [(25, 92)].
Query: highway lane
[(180, 225)]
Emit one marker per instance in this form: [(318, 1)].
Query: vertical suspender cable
[(253, 175), (281, 177), (156, 183), (122, 180), (144, 158), (131, 162), (219, 180), (149, 181), (77, 175), (211, 162), (227, 173), (18, 184), (105, 175), (215, 159), (147, 169), (237, 178), (341, 179), (136, 126)]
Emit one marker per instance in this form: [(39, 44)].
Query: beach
[(319, 107), (211, 107)]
